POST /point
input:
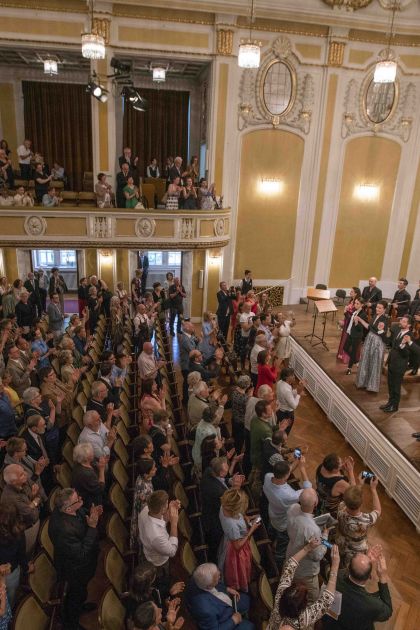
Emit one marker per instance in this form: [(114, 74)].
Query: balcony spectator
[(132, 194), (42, 183), (127, 158), (6, 199), (6, 169), (103, 192), (25, 156), (122, 178), (206, 195), (51, 199), (58, 173), (173, 194), (188, 198), (192, 170), (153, 169), (175, 170), (23, 198)]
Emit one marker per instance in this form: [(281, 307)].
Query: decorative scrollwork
[(224, 41), (35, 226), (350, 5), (219, 227), (145, 227)]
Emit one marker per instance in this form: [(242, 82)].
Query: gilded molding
[(351, 5), (336, 54), (224, 41), (102, 27), (277, 26)]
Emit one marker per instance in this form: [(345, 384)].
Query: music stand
[(323, 307)]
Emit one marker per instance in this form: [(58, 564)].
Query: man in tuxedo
[(211, 603), (122, 178), (371, 294), (359, 608), (144, 266), (225, 308), (402, 298), (175, 170), (246, 284), (402, 346), (214, 484)]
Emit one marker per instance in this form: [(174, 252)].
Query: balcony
[(112, 227)]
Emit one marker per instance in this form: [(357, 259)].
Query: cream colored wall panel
[(163, 37)]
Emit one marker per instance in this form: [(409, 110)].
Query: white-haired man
[(25, 497), (211, 604), (97, 434)]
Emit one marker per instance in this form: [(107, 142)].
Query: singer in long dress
[(348, 312), (283, 348), (370, 366)]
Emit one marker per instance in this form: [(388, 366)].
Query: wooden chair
[(70, 198), (149, 192), (119, 473), (67, 451), (77, 415), (116, 570), (29, 614), (111, 611), (44, 580), (63, 475), (73, 432), (119, 535), (45, 540), (265, 593), (119, 502), (188, 559), (51, 498), (87, 199)]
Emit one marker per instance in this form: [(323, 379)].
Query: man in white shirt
[(245, 321), (147, 363), (287, 397), (280, 497), (158, 544), (97, 434), (24, 155), (301, 527), (259, 345)]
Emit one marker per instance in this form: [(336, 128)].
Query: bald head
[(308, 500), (373, 281), (148, 347), (360, 568)]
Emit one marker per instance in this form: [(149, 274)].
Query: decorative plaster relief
[(35, 226), (145, 227)]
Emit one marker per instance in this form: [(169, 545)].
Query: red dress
[(267, 375)]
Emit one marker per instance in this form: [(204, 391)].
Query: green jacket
[(260, 430)]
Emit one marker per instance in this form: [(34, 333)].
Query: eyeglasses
[(79, 498)]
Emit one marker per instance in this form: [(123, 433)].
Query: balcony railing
[(114, 228)]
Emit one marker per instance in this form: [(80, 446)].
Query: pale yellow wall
[(362, 227), (266, 224), (106, 268), (213, 275), (91, 262), (122, 267), (199, 260), (10, 263), (221, 125), (415, 204)]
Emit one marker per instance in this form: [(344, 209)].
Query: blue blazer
[(210, 613)]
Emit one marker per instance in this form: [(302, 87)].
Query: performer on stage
[(371, 295), (402, 298), (415, 315), (355, 333), (348, 312), (402, 346), (370, 367)]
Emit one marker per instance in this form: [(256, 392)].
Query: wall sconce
[(366, 192), (105, 253), (271, 186)]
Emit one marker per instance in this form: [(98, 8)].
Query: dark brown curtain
[(58, 120), (160, 131)]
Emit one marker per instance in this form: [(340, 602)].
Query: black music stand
[(323, 307)]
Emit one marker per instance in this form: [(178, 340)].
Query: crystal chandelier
[(386, 69), (93, 45), (159, 75), (50, 67), (249, 53)]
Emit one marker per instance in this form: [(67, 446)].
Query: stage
[(383, 440)]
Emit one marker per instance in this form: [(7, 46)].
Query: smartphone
[(257, 520), (297, 453), (367, 476), (326, 543)]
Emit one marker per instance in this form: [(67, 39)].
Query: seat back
[(43, 580), (180, 494), (73, 431), (118, 500), (63, 475), (149, 192), (188, 558), (121, 452), (118, 533), (67, 450), (265, 592), (29, 614), (45, 540), (184, 525), (111, 611), (119, 473), (77, 415), (116, 570), (321, 286)]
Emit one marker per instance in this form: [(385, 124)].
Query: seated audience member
[(281, 496), (291, 603), (25, 497), (332, 483), (152, 400), (98, 401), (73, 533), (44, 351), (159, 545), (301, 527), (20, 370), (148, 616), (353, 524), (12, 550), (235, 559), (17, 453), (8, 426), (97, 434), (153, 170), (208, 369), (23, 198), (288, 397), (50, 198), (146, 469), (210, 602), (88, 475), (103, 192), (132, 194), (148, 364), (214, 483), (58, 173), (6, 198), (208, 426)]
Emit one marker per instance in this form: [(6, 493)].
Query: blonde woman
[(284, 346), (69, 374), (209, 328)]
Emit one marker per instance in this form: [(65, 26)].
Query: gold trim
[(163, 15), (278, 26), (336, 53), (224, 41), (292, 98), (164, 245), (374, 37), (349, 4), (27, 4)]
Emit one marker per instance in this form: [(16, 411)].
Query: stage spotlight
[(97, 90), (120, 67), (133, 97)]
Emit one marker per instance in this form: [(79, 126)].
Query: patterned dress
[(142, 491), (309, 615), (351, 536)]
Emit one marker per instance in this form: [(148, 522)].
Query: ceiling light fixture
[(136, 101), (159, 74), (367, 192), (249, 54), (50, 67), (386, 69), (271, 186), (93, 44)]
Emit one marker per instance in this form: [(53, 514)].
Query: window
[(155, 259), (44, 257), (174, 258), (48, 258), (164, 259), (67, 259)]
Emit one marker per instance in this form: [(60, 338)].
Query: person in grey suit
[(55, 316), (19, 370), (187, 343)]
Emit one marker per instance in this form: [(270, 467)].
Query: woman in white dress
[(283, 348)]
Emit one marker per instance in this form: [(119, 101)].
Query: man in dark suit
[(402, 346), (32, 287), (73, 533), (402, 298), (211, 603), (214, 484), (225, 308), (34, 436), (122, 178), (127, 158), (246, 284), (187, 343), (175, 170), (371, 294), (144, 266), (360, 609)]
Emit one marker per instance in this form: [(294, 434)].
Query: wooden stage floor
[(397, 427)]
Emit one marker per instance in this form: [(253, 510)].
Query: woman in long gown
[(370, 366), (348, 312), (283, 347)]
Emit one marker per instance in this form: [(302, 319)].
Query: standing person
[(12, 549), (355, 333), (225, 308), (26, 498), (301, 527), (283, 347), (402, 346), (25, 155), (25, 314), (135, 287), (153, 169), (55, 316), (246, 284), (176, 296), (82, 295), (372, 295), (245, 322), (260, 430), (173, 194), (43, 288), (31, 284), (103, 192), (42, 182), (240, 396), (267, 374), (73, 533), (288, 397), (127, 158), (132, 194), (402, 298), (57, 285), (188, 342), (122, 178), (371, 363), (332, 482), (144, 266), (348, 312), (359, 608), (208, 343), (158, 544)]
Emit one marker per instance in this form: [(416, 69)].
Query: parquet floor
[(394, 531)]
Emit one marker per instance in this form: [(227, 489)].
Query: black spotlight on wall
[(136, 101), (97, 90)]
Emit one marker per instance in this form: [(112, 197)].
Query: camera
[(297, 453), (367, 476)]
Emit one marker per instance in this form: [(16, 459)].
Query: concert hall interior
[(209, 314)]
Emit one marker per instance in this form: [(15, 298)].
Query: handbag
[(139, 206)]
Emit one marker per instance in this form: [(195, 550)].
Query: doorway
[(65, 259)]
